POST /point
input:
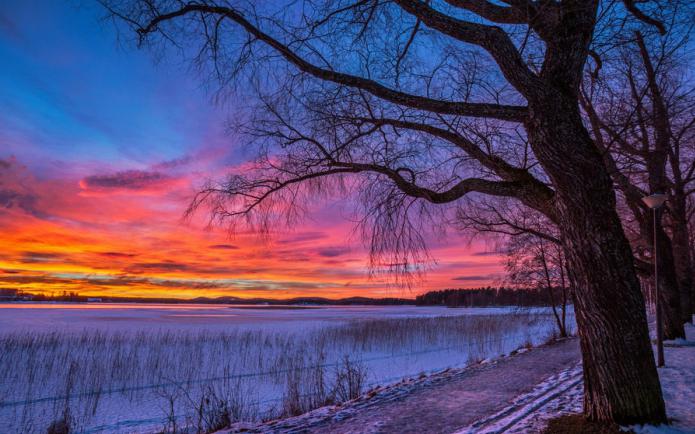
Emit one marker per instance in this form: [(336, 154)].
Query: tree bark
[(620, 378), (681, 255), (669, 293)]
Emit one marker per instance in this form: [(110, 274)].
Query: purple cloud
[(332, 252), (129, 179), (173, 164), (224, 247), (475, 277)]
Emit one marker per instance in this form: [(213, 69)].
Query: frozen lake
[(148, 367), (140, 316)]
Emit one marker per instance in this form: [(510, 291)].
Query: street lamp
[(654, 202)]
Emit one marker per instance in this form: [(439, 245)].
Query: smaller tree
[(533, 261), (535, 256)]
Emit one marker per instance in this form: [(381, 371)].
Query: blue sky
[(70, 91)]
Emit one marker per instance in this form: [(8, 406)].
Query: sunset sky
[(101, 149)]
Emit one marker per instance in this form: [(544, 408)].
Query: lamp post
[(654, 202)]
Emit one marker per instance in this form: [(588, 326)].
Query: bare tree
[(533, 261), (646, 131), (377, 98), (535, 256)]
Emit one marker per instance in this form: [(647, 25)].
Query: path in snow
[(444, 402), (677, 382)]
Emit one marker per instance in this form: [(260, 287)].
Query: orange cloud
[(57, 238)]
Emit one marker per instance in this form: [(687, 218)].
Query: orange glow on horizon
[(133, 244)]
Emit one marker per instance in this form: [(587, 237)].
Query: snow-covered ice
[(139, 316)]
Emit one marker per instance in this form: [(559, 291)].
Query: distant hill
[(306, 301), (73, 297)]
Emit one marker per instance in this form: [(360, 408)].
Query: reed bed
[(183, 381)]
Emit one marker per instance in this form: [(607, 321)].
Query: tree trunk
[(562, 330), (563, 285), (681, 255), (551, 292), (656, 162), (669, 292), (620, 378)]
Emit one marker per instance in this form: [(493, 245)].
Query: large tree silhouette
[(388, 99)]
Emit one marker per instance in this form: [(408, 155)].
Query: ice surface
[(134, 316)]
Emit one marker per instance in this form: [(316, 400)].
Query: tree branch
[(492, 39), (468, 185), (492, 12), (495, 111), (634, 10), (531, 191)]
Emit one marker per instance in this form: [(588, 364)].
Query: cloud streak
[(126, 180)]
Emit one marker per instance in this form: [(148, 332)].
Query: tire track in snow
[(527, 404)]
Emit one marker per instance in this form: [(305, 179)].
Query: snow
[(527, 404), (678, 385), (677, 382), (441, 402), (376, 396), (130, 359), (77, 317), (663, 429)]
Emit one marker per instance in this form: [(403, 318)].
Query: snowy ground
[(135, 368), (677, 377)]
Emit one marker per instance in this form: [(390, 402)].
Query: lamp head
[(655, 200)]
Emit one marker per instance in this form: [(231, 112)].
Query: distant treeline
[(487, 296), (478, 297)]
